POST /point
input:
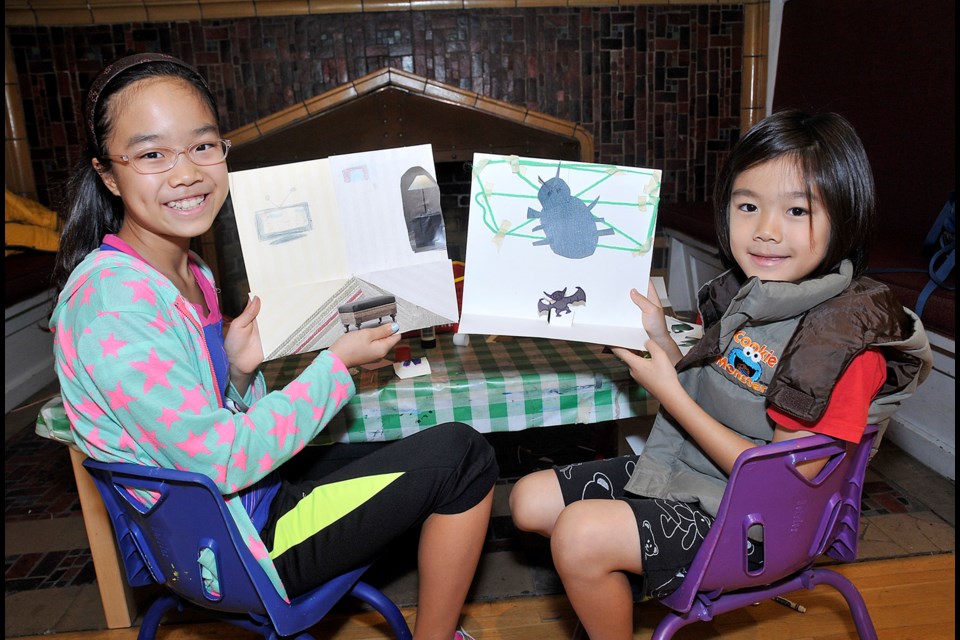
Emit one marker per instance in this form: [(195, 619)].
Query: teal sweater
[(138, 386)]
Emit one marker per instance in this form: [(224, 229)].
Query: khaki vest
[(810, 331)]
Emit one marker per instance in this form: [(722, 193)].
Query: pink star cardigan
[(138, 386)]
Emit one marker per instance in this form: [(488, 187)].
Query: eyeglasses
[(160, 159)]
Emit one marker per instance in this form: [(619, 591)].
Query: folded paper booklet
[(554, 247), (341, 243)]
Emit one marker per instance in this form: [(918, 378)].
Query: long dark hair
[(90, 210), (831, 158)]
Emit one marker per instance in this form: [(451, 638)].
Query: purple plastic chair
[(162, 545), (800, 520)]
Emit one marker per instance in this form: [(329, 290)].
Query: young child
[(795, 342), (147, 376)]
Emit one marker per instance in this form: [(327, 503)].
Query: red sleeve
[(846, 415)]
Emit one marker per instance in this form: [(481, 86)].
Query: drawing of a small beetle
[(568, 223)]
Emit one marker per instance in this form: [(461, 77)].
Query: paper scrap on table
[(412, 368)]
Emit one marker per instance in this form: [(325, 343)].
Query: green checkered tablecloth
[(507, 385)]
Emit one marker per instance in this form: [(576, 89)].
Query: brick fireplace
[(659, 84), (385, 109), (662, 83)]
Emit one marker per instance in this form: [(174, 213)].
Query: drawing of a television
[(375, 308), (283, 224)]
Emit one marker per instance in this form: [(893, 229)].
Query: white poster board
[(554, 247), (327, 243)]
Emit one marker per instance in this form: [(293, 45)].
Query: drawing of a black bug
[(568, 223)]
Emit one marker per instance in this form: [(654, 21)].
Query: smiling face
[(776, 232), (171, 207)]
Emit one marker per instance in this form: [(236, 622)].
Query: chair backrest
[(799, 519), (187, 533)]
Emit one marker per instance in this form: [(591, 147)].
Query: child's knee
[(476, 447), (577, 525), (459, 436), (574, 537), (535, 502), (455, 441), (519, 501), (468, 461)]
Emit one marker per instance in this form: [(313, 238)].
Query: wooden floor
[(908, 598)]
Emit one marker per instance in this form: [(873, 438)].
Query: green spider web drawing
[(601, 173)]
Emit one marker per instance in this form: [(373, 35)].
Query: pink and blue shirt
[(141, 383)]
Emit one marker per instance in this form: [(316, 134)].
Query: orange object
[(458, 268)]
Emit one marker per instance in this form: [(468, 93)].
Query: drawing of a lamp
[(421, 183), (425, 228)]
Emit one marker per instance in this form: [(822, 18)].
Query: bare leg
[(450, 547), (536, 502), (593, 543)]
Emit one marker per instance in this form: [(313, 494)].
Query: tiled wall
[(656, 85)]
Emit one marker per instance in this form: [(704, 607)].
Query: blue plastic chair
[(162, 545), (801, 520)]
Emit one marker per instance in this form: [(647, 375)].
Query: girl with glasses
[(148, 377)]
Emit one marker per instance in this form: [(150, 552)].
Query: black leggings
[(322, 527), (671, 532)]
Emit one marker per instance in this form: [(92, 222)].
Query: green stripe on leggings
[(325, 505)]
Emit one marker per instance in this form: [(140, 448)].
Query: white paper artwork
[(345, 242), (554, 247)]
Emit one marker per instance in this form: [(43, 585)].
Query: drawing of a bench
[(356, 313)]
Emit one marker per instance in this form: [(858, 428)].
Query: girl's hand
[(364, 346), (242, 344), (656, 373), (654, 321)]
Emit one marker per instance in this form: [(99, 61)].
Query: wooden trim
[(119, 607), (79, 12), (418, 85), (17, 169), (756, 52)]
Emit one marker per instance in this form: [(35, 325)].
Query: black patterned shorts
[(671, 532)]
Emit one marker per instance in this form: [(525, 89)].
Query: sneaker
[(462, 635)]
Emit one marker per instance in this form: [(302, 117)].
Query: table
[(506, 384)]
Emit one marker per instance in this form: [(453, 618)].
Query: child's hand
[(242, 344), (655, 373), (364, 346), (653, 319)]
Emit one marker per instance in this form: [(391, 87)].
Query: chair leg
[(850, 593), (158, 609), (385, 606), (669, 625)]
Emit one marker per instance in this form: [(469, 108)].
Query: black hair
[(90, 210), (833, 162)]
